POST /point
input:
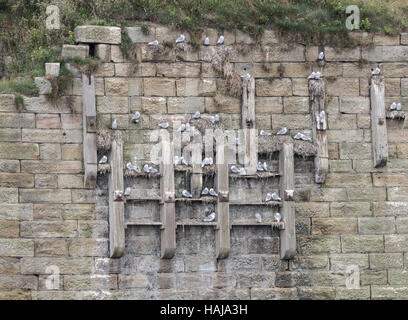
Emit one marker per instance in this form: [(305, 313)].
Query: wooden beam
[(317, 96), (222, 234), (378, 122), (248, 125), (196, 159), (116, 200), (89, 131), (287, 186), (167, 192)]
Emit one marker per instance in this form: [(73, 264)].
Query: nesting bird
[(130, 166), (164, 125), (213, 193), (234, 169), (376, 71), (264, 133), (186, 194), (220, 40), (246, 77), (153, 170), (260, 167), (207, 162), (153, 43), (104, 159), (393, 106), (146, 168), (206, 41), (182, 127), (188, 127), (114, 124), (399, 107), (282, 131), (181, 38), (197, 115), (258, 217), (314, 75), (205, 191), (210, 217), (265, 167), (215, 119), (275, 197), (268, 197), (127, 191), (242, 171), (321, 56), (301, 136), (136, 117), (278, 217)]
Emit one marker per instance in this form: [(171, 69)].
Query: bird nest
[(104, 168), (270, 144), (133, 173), (104, 139), (398, 115)]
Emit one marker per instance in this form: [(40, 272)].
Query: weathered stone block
[(21, 180), (362, 243), (47, 121), (385, 53), (19, 150), (38, 265), (362, 293), (112, 104), (186, 105), (16, 248), (40, 166), (334, 226), (159, 87), (50, 136), (85, 247), (334, 54), (397, 194), (386, 260), (318, 244), (396, 243), (50, 247), (376, 225), (343, 87), (137, 35), (48, 229), (347, 179), (9, 229), (273, 87), (153, 105), (179, 70), (354, 105), (52, 69), (296, 104), (71, 51), (44, 86), (7, 103), (366, 193), (45, 195), (98, 34), (350, 209), (196, 87), (116, 86)]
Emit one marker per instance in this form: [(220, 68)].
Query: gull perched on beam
[(282, 131), (275, 197), (164, 125), (314, 75), (206, 41), (234, 169), (181, 38), (376, 71), (213, 193), (197, 115), (258, 217), (246, 77), (186, 194), (127, 191), (130, 166), (260, 167), (104, 159), (393, 106), (264, 133), (220, 40), (210, 217), (153, 43), (301, 136), (136, 117), (146, 168), (205, 191)]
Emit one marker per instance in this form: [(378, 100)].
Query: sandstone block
[(71, 51), (98, 34)]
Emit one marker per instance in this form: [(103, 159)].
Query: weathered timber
[(222, 234), (196, 159), (116, 204), (248, 126), (317, 96), (89, 131), (287, 235), (167, 192), (378, 122)]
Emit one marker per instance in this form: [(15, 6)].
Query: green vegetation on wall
[(22, 22)]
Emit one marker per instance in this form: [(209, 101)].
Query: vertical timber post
[(167, 192), (378, 122), (116, 200), (196, 159), (248, 125), (222, 234), (317, 96), (287, 235), (89, 131)]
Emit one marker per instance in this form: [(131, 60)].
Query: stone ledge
[(98, 34)]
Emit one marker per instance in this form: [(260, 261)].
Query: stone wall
[(359, 217)]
